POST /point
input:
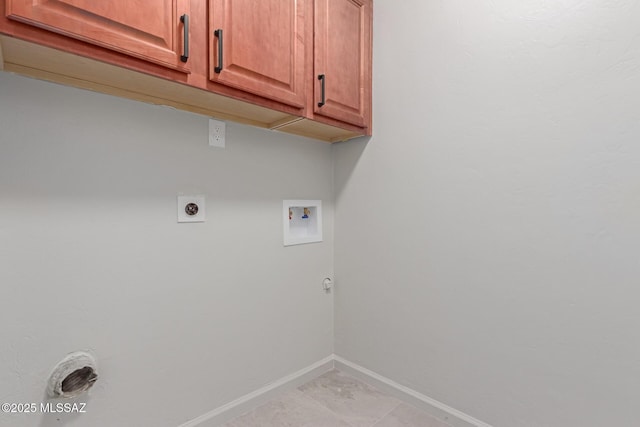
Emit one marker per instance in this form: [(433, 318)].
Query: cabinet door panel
[(262, 47), (147, 29), (342, 55)]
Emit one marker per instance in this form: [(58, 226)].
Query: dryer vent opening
[(79, 380), (73, 375)]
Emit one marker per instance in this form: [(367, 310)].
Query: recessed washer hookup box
[(302, 220)]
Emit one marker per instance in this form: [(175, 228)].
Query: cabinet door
[(342, 60), (258, 46), (153, 30)]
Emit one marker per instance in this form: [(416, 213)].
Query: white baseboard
[(256, 398), (431, 406), (246, 403)]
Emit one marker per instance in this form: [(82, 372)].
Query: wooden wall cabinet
[(153, 30), (259, 47), (342, 60), (241, 60)]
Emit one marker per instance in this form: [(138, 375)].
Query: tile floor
[(335, 400)]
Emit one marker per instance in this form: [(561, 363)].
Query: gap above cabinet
[(38, 51)]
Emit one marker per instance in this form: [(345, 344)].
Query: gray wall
[(182, 317), (488, 235)]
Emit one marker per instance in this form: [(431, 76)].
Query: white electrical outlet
[(217, 130)]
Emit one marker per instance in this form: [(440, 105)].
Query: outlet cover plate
[(217, 133), (198, 216)]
